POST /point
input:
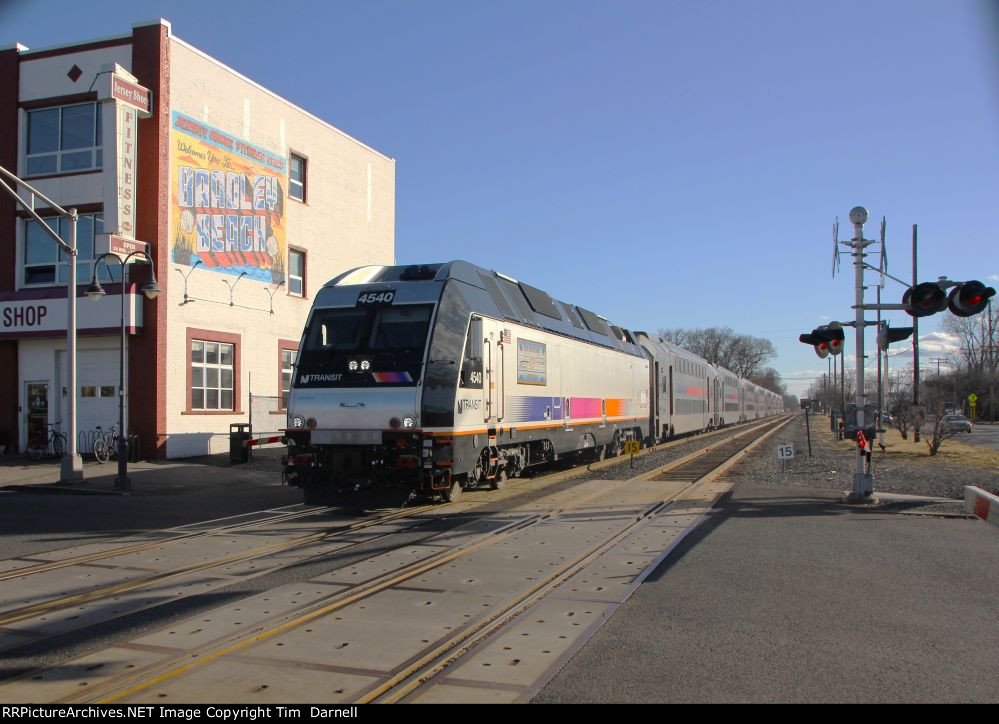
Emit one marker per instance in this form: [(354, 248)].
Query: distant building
[(249, 204)]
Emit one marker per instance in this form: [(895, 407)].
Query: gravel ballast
[(832, 468)]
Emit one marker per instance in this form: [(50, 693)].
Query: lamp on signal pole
[(95, 291)]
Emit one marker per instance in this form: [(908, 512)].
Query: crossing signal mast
[(965, 299)]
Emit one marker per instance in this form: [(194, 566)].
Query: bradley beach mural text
[(227, 202)]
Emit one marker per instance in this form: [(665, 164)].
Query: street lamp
[(72, 464), (95, 291)]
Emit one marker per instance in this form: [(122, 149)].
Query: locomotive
[(436, 378)]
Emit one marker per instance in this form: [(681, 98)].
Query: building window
[(44, 262), (296, 272), (288, 352), (296, 177), (64, 140), (213, 370), (212, 375)]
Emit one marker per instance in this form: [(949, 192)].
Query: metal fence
[(266, 415)]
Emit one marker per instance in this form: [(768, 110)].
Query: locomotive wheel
[(453, 494), (599, 453), (499, 481), (616, 447)]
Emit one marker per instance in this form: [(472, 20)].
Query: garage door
[(96, 393)]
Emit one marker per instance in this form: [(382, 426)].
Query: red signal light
[(925, 299), (969, 298)]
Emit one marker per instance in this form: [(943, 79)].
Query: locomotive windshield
[(364, 347)]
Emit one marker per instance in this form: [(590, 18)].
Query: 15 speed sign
[(785, 451)]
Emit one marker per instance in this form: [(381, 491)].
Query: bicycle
[(106, 444), (49, 440)]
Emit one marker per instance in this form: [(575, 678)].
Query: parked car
[(956, 423)]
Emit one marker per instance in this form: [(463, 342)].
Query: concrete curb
[(982, 504)]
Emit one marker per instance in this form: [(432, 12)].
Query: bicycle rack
[(85, 440)]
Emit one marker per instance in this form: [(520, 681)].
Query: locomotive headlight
[(358, 364), (298, 421), (408, 422)]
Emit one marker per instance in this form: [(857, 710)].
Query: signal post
[(920, 300)]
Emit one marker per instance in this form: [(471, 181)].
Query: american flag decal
[(506, 337)]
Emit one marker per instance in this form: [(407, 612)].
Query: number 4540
[(376, 298)]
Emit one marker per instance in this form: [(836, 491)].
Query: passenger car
[(956, 423)]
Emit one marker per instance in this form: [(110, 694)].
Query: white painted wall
[(347, 221)]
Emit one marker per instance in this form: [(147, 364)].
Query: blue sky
[(664, 163)]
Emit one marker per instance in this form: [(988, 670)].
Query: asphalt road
[(984, 435), (788, 596)]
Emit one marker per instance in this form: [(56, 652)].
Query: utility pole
[(863, 481), (915, 350)]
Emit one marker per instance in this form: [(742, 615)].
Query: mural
[(226, 202)]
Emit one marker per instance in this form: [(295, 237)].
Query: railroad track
[(135, 579), (635, 505)]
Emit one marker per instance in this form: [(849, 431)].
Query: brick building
[(249, 204)]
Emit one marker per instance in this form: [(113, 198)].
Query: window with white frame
[(64, 139), (296, 272), (288, 357), (296, 177), (44, 261), (211, 375)]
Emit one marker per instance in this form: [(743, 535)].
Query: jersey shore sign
[(226, 202), (124, 102)]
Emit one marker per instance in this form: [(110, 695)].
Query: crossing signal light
[(970, 298), (821, 347), (925, 299), (887, 335), (832, 335), (826, 340)]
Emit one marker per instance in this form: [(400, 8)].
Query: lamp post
[(72, 463), (95, 291)]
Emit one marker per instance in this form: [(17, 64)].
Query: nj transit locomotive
[(442, 377)]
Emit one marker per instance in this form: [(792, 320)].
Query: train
[(437, 378)]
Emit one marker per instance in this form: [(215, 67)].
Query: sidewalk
[(148, 477), (787, 595)]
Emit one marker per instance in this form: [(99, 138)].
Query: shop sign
[(47, 317)]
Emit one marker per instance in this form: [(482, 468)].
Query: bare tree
[(898, 401), (739, 353), (976, 335), (938, 431), (770, 379)]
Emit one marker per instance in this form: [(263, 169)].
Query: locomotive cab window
[(471, 364), (389, 341)]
